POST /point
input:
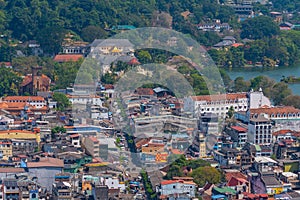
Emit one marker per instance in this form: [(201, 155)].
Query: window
[(174, 186)]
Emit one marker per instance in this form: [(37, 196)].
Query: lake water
[(275, 73)]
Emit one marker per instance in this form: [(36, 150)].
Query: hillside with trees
[(47, 20)]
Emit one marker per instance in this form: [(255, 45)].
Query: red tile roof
[(237, 44), (176, 152), (13, 170), (94, 139), (5, 142), (275, 110), (74, 135), (67, 57), (218, 97), (144, 91), (283, 132), (109, 86), (134, 61), (239, 129), (46, 162), (23, 98), (229, 175), (6, 64), (167, 182), (28, 79)]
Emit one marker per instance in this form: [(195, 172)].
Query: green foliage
[(279, 92), (51, 38), (144, 56), (147, 185), (108, 78), (206, 174), (9, 82), (58, 129), (259, 27), (230, 112), (240, 85), (263, 82), (292, 100), (90, 33), (62, 101), (65, 74), (46, 20), (177, 164)]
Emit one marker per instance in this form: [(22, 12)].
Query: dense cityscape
[(120, 100)]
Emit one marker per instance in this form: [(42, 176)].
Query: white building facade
[(220, 104)]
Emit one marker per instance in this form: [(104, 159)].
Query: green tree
[(90, 33), (62, 101), (9, 82), (259, 27), (240, 85), (51, 39), (263, 82), (292, 100), (207, 174), (144, 56), (279, 92), (230, 112)]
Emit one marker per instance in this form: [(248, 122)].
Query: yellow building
[(5, 149), (21, 135)]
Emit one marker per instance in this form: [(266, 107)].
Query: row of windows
[(285, 115), (223, 108), (262, 141), (263, 127), (16, 101), (226, 102)]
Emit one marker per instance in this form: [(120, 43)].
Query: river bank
[(277, 73)]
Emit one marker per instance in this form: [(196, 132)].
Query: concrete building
[(10, 189), (221, 103), (209, 123), (170, 187), (91, 145), (284, 117), (5, 149), (62, 191), (36, 101), (260, 130), (45, 169), (238, 135)]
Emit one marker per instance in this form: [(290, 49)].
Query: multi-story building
[(260, 130), (10, 189), (20, 141), (62, 190), (6, 149), (284, 117), (180, 187), (36, 101), (91, 145), (221, 103), (209, 123), (238, 135), (45, 169), (17, 105), (28, 190)]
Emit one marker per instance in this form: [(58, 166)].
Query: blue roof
[(123, 27), (218, 196)]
